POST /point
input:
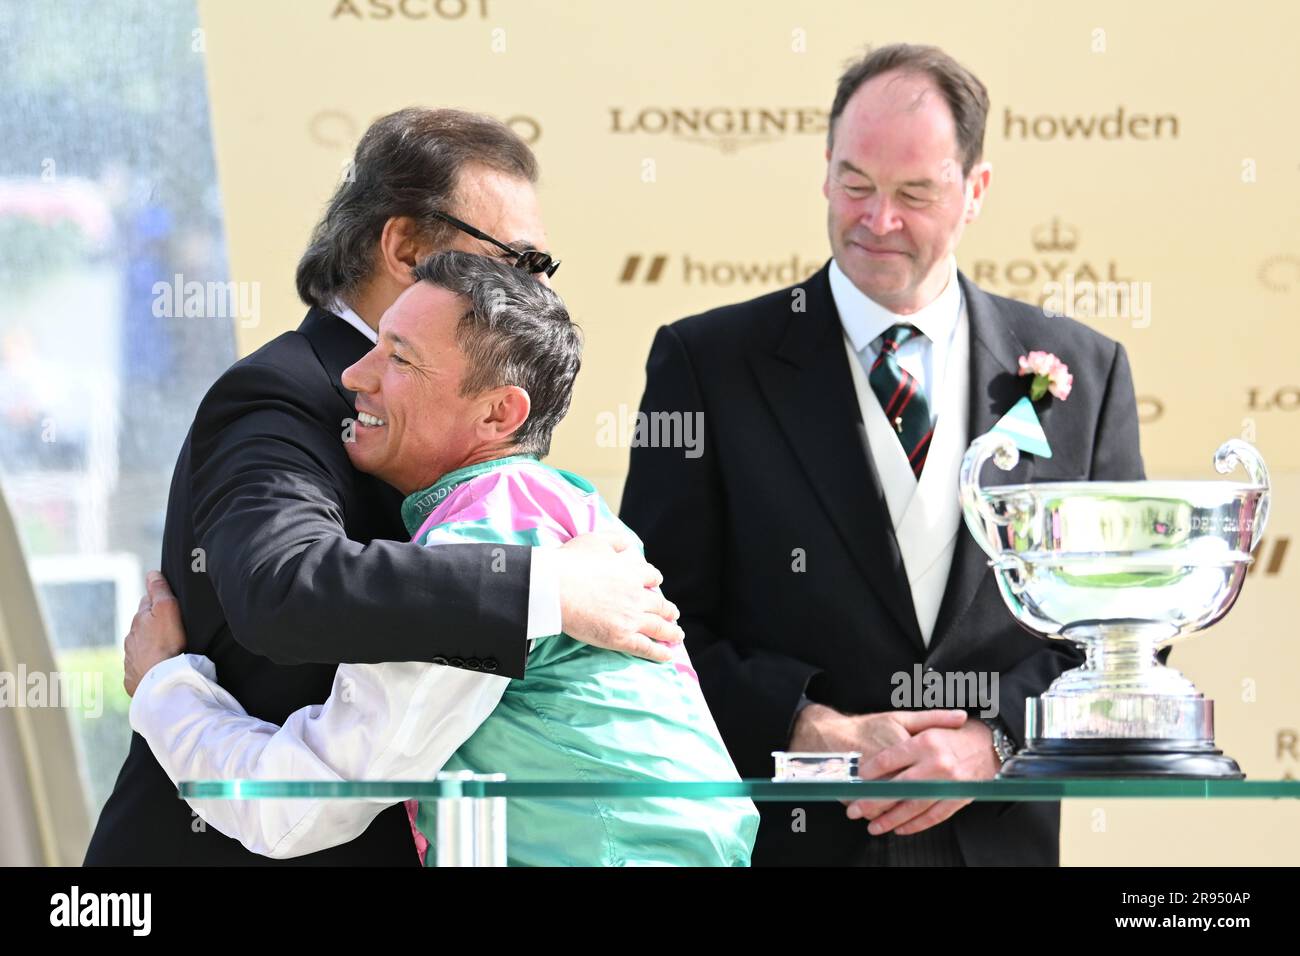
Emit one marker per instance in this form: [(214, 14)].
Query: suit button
[(490, 664), (457, 662), (473, 664), (440, 660)]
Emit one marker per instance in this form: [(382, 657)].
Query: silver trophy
[(1122, 569)]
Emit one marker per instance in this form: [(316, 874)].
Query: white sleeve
[(543, 594), (397, 721)]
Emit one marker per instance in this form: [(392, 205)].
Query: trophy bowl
[(1121, 569)]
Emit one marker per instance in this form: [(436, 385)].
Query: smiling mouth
[(880, 252), (366, 420)]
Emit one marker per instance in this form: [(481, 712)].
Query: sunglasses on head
[(532, 261)]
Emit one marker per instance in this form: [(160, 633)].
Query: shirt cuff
[(174, 668), (543, 595)]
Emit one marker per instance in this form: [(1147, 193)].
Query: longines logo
[(716, 272), (337, 129), (1283, 399), (1107, 126), (1054, 274), (410, 9), (725, 128)]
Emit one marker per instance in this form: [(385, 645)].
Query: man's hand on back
[(156, 632), (609, 598)]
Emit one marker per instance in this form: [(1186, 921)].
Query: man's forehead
[(903, 103), (503, 206), (419, 314), (902, 144)]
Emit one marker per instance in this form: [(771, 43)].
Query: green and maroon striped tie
[(901, 397)]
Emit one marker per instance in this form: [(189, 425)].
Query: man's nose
[(356, 377), (880, 215)]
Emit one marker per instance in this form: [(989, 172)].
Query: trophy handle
[(974, 504), (1234, 452)]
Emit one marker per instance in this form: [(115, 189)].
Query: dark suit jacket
[(287, 562), (783, 468)]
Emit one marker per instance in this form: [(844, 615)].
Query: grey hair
[(407, 163), (516, 331)]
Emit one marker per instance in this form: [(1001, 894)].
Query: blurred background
[(151, 145)]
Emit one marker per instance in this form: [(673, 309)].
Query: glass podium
[(472, 808)]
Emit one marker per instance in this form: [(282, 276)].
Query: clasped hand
[(902, 745)]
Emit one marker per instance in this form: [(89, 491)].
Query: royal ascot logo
[(1288, 751), (1055, 277), (651, 269), (725, 128), (337, 129), (1118, 125), (410, 9)]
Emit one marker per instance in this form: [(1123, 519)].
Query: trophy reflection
[(1122, 569)]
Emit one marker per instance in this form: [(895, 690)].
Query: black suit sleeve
[(676, 504), (268, 489), (1116, 456)]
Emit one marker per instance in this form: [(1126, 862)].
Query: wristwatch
[(1003, 745)]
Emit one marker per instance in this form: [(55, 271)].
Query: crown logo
[(1055, 238)]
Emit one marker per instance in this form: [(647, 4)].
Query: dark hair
[(407, 163), (967, 99), (516, 331)]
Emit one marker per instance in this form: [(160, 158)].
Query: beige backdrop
[(682, 152)]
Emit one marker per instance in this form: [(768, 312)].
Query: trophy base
[(1120, 757)]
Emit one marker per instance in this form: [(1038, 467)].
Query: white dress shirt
[(398, 721), (345, 313), (393, 721), (925, 514), (543, 575), (924, 356)]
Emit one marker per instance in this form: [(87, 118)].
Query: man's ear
[(400, 248), (977, 186), (504, 411)]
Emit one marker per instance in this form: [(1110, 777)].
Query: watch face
[(1002, 744)]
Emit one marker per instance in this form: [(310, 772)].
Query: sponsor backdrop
[(1145, 180)]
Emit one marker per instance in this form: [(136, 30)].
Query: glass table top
[(767, 790)]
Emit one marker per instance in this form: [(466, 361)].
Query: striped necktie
[(901, 397)]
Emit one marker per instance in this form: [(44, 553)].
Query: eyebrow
[(846, 166), (401, 343)]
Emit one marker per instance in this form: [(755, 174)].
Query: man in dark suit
[(286, 561), (815, 546)]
